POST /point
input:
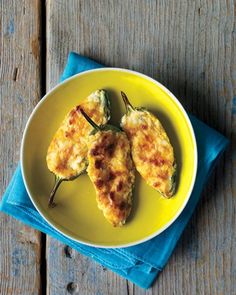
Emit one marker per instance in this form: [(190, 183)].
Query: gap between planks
[(43, 72)]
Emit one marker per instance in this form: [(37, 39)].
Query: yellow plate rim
[(171, 95)]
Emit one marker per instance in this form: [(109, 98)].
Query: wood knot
[(68, 251), (15, 74), (72, 288)]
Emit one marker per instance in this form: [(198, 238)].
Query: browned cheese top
[(67, 152), (111, 170), (152, 152)]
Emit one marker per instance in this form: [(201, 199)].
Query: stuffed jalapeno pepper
[(111, 169), (152, 152), (67, 152)]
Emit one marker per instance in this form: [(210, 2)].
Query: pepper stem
[(91, 122), (127, 103), (51, 203)]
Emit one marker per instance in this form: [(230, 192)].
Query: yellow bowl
[(76, 215)]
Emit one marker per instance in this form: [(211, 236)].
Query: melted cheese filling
[(112, 172), (67, 152), (151, 150)]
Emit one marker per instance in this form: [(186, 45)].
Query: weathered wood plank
[(19, 93), (70, 272), (189, 46)]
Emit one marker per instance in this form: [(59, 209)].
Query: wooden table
[(189, 46)]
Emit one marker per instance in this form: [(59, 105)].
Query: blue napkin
[(142, 263)]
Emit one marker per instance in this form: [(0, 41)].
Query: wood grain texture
[(71, 273), (189, 46), (19, 92)]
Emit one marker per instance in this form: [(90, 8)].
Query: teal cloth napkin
[(142, 263)]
